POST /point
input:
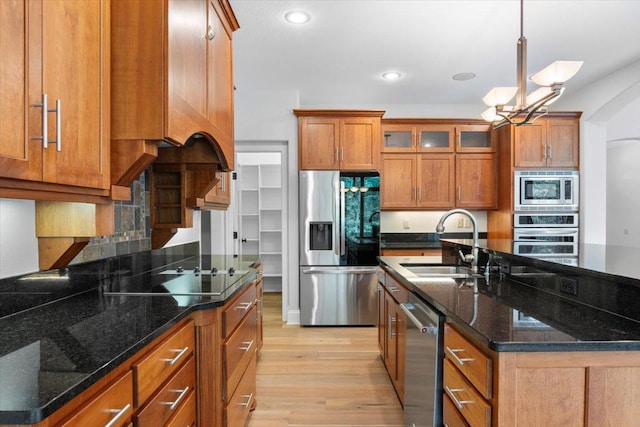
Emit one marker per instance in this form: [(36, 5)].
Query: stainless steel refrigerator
[(339, 246)]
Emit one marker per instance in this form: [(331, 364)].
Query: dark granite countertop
[(59, 340), (418, 240), (521, 307)]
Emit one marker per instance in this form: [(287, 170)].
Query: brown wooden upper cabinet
[(172, 72), (54, 99), (434, 135), (549, 142), (438, 164), (418, 181), (339, 139), (407, 138)]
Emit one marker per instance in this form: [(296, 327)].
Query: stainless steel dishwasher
[(423, 364)]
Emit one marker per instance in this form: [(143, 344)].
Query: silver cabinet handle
[(210, 32), (244, 306), (392, 320), (393, 289), (248, 345), (544, 151), (550, 152), (175, 403), (58, 111), (173, 361), (460, 360), (45, 121), (249, 398), (451, 392), (119, 414)]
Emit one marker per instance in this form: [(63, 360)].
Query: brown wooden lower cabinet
[(392, 328), (573, 388), (173, 382)]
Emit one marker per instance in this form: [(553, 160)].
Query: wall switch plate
[(405, 224), (460, 222)]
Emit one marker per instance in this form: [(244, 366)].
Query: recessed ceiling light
[(463, 76), (297, 17), (391, 75)]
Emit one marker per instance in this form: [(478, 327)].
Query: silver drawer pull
[(248, 402), (460, 360), (451, 392), (248, 345), (244, 306), (119, 414), (173, 361), (175, 403)]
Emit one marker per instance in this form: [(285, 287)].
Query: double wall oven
[(546, 218)]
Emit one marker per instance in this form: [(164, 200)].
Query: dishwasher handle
[(427, 329)]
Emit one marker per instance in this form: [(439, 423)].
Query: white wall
[(267, 115), (610, 109), (18, 242)]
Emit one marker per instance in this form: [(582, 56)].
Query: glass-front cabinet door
[(435, 138), (398, 138), (474, 139)]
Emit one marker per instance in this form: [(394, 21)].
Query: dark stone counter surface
[(532, 305), (60, 333), (419, 240)]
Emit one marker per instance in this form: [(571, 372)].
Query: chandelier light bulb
[(499, 96), (558, 72)]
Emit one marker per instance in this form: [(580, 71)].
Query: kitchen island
[(558, 344), (66, 331)]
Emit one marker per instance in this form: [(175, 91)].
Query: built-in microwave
[(546, 190)]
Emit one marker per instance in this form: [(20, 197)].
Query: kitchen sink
[(437, 271)]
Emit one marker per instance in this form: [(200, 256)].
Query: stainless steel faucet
[(473, 258)]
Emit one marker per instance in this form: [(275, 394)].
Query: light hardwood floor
[(321, 376)]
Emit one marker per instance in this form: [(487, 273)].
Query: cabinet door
[(75, 64), (359, 143), (20, 154), (186, 68), (220, 78), (398, 139), (435, 138), (398, 181), (474, 139), (390, 355), (530, 145), (436, 180), (319, 143), (563, 143), (476, 178)]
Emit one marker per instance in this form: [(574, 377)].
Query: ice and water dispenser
[(320, 236)]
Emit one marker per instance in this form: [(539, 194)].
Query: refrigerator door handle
[(336, 215), (343, 248)]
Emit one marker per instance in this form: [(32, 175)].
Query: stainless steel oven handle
[(552, 231), (343, 228), (336, 216), (425, 329)]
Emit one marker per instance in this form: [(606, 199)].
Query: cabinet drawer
[(475, 365), (232, 315), (396, 290), (170, 398), (237, 410), (155, 368), (450, 415), (185, 416), (475, 410), (238, 350), (114, 402)]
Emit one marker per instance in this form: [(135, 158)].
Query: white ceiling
[(338, 57)]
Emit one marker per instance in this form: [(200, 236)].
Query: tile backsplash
[(132, 226)]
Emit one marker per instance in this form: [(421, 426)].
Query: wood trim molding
[(339, 113)]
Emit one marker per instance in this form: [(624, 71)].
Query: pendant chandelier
[(527, 107)]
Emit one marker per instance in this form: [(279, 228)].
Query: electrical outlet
[(460, 222), (568, 286), (467, 223), (405, 224)]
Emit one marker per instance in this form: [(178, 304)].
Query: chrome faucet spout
[(474, 222)]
